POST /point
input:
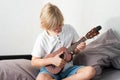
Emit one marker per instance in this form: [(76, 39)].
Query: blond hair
[(51, 17)]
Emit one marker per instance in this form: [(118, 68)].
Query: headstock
[(93, 32)]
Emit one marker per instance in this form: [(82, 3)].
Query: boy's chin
[(57, 33)]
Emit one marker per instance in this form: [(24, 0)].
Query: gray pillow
[(17, 69), (99, 52), (116, 62)]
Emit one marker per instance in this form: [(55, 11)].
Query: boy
[(56, 35)]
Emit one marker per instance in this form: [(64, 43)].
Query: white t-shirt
[(46, 44)]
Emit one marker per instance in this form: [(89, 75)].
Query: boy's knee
[(43, 77), (90, 71)]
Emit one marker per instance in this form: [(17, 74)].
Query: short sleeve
[(38, 50)]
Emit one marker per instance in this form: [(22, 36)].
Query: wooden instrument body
[(66, 56)]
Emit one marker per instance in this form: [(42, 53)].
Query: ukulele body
[(65, 56)]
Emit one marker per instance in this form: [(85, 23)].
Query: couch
[(103, 54)]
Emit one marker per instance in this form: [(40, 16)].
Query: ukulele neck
[(72, 48)]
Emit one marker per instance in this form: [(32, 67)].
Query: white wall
[(19, 20), (19, 24), (103, 12)]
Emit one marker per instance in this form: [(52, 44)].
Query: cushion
[(99, 52), (17, 69), (116, 62)]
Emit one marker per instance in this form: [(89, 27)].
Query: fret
[(72, 48)]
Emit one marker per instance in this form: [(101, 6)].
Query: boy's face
[(55, 31)]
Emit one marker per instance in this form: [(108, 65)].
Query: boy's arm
[(39, 62)]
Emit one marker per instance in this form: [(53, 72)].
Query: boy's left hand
[(81, 46)]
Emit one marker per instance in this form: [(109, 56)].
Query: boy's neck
[(50, 33)]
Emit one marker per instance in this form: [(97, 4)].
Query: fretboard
[(72, 48)]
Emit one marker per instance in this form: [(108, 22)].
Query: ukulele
[(67, 54)]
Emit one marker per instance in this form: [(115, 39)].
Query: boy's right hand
[(57, 61)]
